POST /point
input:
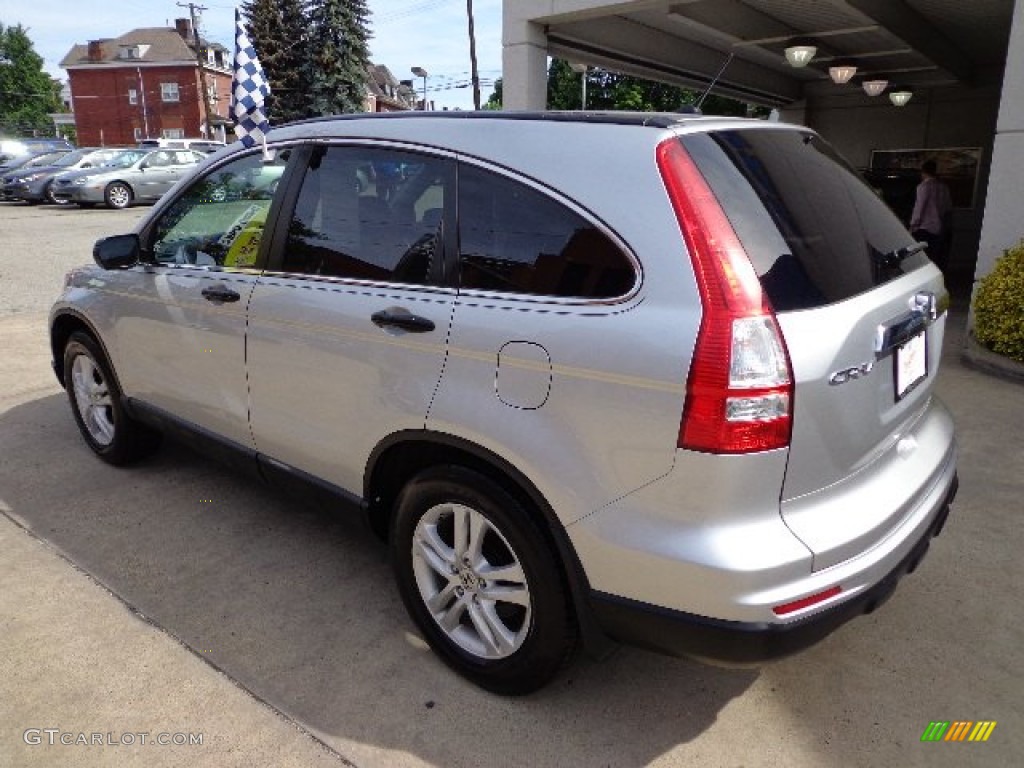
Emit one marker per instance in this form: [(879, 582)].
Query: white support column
[(1002, 226), (524, 60)]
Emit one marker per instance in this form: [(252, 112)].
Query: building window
[(168, 91), (138, 134), (173, 133), (133, 96)]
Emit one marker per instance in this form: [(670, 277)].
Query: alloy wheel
[(118, 196), (93, 400), (471, 581)]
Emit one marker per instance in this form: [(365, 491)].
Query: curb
[(978, 357)]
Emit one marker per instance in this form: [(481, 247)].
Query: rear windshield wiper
[(896, 257)]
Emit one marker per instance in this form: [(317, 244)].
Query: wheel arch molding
[(62, 325), (402, 455)]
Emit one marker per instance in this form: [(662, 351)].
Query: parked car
[(35, 184), (665, 379), (26, 166), (32, 146), (199, 145), (131, 176)]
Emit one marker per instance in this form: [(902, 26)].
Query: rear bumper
[(682, 634)]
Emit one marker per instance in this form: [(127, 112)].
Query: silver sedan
[(131, 176)]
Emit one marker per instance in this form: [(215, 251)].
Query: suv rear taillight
[(739, 395)]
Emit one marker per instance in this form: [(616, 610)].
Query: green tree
[(494, 100), (608, 90), (27, 93), (338, 56), (278, 30), (565, 87)]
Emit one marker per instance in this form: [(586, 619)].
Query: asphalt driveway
[(182, 597)]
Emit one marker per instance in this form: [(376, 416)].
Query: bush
[(999, 306)]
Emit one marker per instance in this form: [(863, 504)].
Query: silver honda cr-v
[(660, 378)]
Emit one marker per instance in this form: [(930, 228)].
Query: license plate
[(911, 365)]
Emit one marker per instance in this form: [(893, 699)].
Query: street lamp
[(421, 72), (582, 70)]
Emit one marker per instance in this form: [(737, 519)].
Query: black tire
[(535, 620), (48, 194), (117, 195), (97, 405)]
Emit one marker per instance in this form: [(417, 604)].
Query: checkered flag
[(249, 90)]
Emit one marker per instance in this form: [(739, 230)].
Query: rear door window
[(815, 232)]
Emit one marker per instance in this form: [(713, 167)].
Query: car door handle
[(220, 295), (403, 320)]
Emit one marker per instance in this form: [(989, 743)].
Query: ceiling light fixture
[(800, 53), (874, 87), (900, 95), (842, 72)]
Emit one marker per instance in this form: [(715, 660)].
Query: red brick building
[(146, 84)]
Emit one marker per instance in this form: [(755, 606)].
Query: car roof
[(653, 119)]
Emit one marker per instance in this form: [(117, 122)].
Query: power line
[(412, 10)]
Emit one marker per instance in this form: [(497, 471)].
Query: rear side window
[(515, 239), (814, 231)]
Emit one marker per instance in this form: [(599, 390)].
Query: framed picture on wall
[(957, 166)]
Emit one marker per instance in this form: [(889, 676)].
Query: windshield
[(124, 159), (71, 158), (47, 159)]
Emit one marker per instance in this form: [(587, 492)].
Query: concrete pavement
[(180, 598)]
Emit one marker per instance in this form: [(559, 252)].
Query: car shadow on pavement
[(297, 604)]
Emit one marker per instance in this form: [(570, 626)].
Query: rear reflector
[(796, 605), (739, 395)]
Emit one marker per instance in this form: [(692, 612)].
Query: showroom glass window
[(219, 220), (515, 239), (369, 214)]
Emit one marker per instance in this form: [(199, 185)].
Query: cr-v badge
[(849, 374)]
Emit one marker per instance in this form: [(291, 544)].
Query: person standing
[(933, 209)]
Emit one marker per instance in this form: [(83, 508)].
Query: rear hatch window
[(815, 232)]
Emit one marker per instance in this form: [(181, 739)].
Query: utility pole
[(475, 76), (145, 111), (192, 8)]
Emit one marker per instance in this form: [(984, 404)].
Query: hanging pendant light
[(874, 87), (842, 72), (900, 95), (800, 53)]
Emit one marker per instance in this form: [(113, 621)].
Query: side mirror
[(117, 252)]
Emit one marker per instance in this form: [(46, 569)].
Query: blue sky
[(406, 33)]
